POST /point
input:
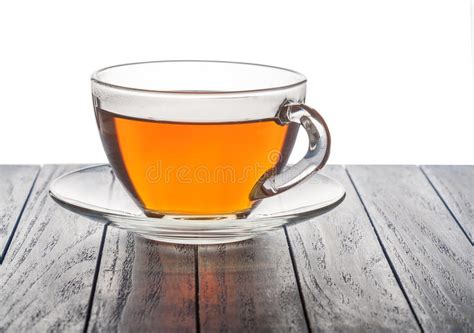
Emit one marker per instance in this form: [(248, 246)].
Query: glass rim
[(95, 78)]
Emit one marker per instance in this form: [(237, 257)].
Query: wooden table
[(396, 255)]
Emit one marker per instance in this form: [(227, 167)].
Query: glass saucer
[(97, 193)]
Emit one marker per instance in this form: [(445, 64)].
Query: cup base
[(193, 217)]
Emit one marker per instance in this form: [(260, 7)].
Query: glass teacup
[(205, 138)]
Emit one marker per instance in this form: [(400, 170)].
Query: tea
[(176, 168)]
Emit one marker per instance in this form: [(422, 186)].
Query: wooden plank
[(144, 286), (249, 286), (15, 186), (431, 255), (455, 185), (346, 281), (47, 275)]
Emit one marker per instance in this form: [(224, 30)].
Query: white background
[(392, 77)]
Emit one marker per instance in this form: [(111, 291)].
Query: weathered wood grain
[(346, 281), (47, 274), (249, 287), (431, 255), (455, 185), (15, 186), (144, 286)]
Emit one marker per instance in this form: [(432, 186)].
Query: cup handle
[(315, 158)]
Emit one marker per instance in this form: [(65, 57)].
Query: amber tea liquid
[(193, 168)]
